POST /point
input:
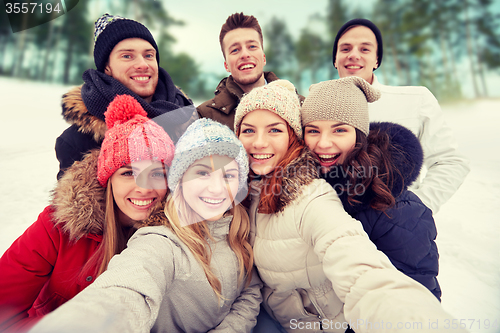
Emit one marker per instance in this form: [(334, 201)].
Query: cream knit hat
[(279, 97), (344, 100)]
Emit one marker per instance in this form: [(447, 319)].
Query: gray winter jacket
[(157, 284)]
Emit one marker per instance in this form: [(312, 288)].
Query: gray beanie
[(344, 100), (203, 138)]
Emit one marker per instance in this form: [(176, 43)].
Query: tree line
[(426, 42)]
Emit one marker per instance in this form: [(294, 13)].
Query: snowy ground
[(468, 225)]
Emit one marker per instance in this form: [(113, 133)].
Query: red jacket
[(43, 268)]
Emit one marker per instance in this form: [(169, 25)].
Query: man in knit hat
[(358, 51), (127, 63), (241, 43)]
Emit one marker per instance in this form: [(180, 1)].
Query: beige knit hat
[(279, 97), (344, 100)]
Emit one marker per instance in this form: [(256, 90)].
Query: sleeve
[(66, 154), (26, 266), (372, 290), (126, 297), (243, 314), (406, 234), (446, 166)]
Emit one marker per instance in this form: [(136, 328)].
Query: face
[(133, 62), (209, 186), (245, 58), (137, 187), (357, 53), (330, 141), (264, 135)]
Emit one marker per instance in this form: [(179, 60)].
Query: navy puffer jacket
[(406, 233)]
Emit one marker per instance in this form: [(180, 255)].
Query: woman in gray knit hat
[(189, 268), (371, 166)]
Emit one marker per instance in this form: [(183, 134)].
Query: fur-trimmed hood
[(75, 112), (79, 200), (300, 172)]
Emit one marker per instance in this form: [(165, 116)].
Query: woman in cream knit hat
[(371, 171), (321, 272)]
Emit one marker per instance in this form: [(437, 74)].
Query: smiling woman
[(96, 206)]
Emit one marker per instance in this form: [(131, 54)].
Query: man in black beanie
[(127, 61), (358, 51)]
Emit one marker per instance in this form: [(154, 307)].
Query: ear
[(376, 65), (335, 64), (265, 59), (226, 67), (107, 70)]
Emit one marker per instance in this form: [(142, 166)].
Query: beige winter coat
[(321, 272)]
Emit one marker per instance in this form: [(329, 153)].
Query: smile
[(246, 66), (262, 156), (212, 201), (328, 158), (140, 78), (141, 202), (353, 67)]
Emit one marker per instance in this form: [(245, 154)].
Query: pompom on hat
[(109, 30), (279, 97), (131, 137), (344, 100), (203, 138)]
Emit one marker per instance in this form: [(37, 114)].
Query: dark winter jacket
[(83, 107), (42, 269), (221, 108), (406, 233)]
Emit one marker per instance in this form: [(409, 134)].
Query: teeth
[(353, 67), (247, 66), (141, 78), (262, 156), (212, 201), (141, 202), (327, 156)]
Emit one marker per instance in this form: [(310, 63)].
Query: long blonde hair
[(196, 234)]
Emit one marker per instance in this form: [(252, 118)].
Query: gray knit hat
[(344, 100), (279, 97), (203, 138)]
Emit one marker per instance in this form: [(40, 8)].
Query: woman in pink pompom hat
[(95, 208)]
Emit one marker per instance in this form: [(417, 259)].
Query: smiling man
[(358, 51), (127, 63), (241, 43)]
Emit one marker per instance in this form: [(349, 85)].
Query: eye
[(149, 55), (276, 130), (126, 56), (247, 131), (202, 173), (159, 175), (312, 131), (234, 50), (128, 173)]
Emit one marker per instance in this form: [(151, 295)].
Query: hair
[(114, 237), (269, 201), (195, 236), (369, 153), (239, 20)]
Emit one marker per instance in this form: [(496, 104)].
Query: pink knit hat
[(131, 137)]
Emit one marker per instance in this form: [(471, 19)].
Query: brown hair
[(372, 153), (239, 20)]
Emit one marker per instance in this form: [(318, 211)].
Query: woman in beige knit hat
[(321, 272), (371, 171)]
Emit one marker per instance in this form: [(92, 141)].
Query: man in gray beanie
[(357, 51), (127, 63)]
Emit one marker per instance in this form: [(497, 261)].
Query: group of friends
[(257, 211)]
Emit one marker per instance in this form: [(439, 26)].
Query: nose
[(260, 141), (354, 54), (324, 142), (244, 53), (216, 182), (140, 63)]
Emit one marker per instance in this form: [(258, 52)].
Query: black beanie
[(364, 22), (110, 30)]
